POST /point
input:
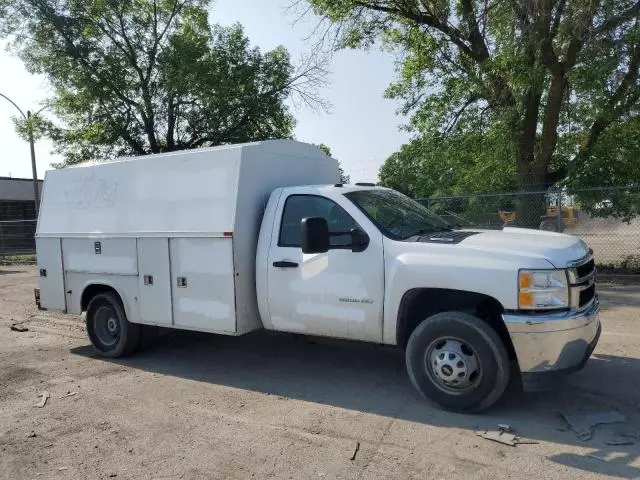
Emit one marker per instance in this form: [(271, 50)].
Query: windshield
[(397, 216)]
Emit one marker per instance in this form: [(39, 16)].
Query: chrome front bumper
[(554, 342)]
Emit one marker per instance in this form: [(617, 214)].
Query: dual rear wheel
[(108, 328)]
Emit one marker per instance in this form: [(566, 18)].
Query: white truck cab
[(231, 239)]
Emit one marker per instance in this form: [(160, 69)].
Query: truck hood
[(557, 248)]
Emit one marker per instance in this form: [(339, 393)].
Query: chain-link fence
[(17, 237), (607, 219)]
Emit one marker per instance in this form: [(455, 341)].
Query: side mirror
[(359, 240), (314, 235)]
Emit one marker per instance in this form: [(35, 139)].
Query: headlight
[(543, 289)]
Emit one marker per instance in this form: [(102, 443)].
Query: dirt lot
[(613, 241), (275, 406)]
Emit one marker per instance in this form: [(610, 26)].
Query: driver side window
[(298, 207)]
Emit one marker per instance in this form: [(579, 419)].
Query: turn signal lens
[(525, 280), (526, 300)]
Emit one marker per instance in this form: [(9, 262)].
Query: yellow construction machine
[(549, 221)]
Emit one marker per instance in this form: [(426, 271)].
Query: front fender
[(445, 267)]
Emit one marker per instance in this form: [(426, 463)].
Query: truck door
[(334, 294)]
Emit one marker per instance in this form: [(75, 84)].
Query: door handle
[(285, 264)]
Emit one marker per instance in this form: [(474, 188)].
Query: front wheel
[(458, 361), (108, 328)]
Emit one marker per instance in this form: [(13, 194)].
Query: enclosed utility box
[(174, 234)]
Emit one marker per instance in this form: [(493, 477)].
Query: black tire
[(474, 336), (549, 225), (111, 334)]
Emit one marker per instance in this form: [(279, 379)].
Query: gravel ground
[(268, 405), (613, 241)]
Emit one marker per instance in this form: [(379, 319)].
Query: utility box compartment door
[(110, 256), (51, 278), (202, 285), (154, 281)]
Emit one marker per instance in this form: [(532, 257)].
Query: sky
[(362, 128)]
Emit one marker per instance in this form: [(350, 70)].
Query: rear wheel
[(108, 328), (458, 361)]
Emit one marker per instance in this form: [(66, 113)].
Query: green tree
[(131, 77), (433, 165), (345, 178), (613, 161), (556, 78)]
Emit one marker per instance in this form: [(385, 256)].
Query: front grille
[(587, 295), (586, 269), (583, 288)]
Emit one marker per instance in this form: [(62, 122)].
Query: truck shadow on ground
[(373, 379)]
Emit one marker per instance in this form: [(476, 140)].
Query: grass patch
[(629, 266), (18, 259)]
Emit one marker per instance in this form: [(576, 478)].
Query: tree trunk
[(532, 175), (171, 124), (531, 203), (533, 182)]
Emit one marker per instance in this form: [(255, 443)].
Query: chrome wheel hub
[(453, 365)]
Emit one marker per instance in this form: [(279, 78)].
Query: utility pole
[(34, 168), (32, 149)]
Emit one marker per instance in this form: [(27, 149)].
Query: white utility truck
[(235, 238)]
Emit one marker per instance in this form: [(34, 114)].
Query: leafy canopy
[(132, 77), (536, 92)]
